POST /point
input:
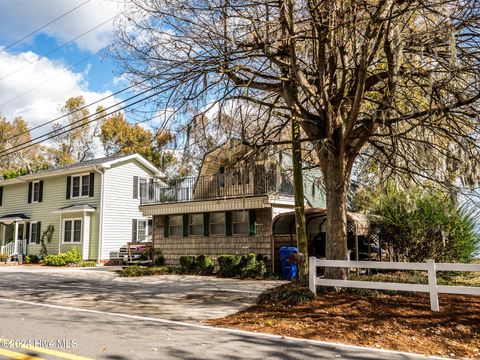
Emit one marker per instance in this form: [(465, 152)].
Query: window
[(150, 227), (72, 231), (34, 233), (80, 186), (176, 225), (217, 223), (85, 185), (240, 222), (141, 229), (195, 222), (36, 191), (240, 176), (221, 176), (143, 189)]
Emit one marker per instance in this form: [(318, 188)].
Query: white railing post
[(432, 283), (312, 274)]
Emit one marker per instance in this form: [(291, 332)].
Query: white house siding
[(119, 206), (54, 197)]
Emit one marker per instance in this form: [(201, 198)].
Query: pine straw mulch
[(401, 321)]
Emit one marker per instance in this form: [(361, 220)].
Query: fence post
[(432, 283), (312, 274)]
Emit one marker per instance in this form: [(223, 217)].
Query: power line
[(73, 112), (42, 27), (79, 126), (61, 46), (69, 127)]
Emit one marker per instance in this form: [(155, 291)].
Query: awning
[(75, 208), (13, 218)]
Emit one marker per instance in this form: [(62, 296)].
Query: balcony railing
[(220, 186)]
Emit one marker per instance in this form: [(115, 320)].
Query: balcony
[(219, 186)]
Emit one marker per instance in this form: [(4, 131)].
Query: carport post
[(312, 274)]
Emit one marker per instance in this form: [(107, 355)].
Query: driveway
[(173, 297)]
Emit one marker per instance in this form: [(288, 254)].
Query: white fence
[(431, 267)]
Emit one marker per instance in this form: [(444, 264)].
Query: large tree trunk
[(336, 177), (300, 224)]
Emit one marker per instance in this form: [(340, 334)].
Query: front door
[(21, 231)]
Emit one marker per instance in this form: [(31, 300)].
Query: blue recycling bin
[(289, 271)]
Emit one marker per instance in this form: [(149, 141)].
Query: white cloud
[(43, 103), (20, 17)]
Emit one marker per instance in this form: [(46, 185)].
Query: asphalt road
[(175, 297), (34, 324)]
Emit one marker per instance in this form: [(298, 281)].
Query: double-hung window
[(80, 186), (217, 223), (34, 233), (143, 189), (195, 224), (240, 222), (142, 229), (72, 231), (36, 191), (176, 225)]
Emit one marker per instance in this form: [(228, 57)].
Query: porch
[(225, 185), (13, 236)]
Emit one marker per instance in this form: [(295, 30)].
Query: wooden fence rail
[(431, 267)]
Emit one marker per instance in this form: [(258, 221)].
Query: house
[(229, 207), (93, 205)]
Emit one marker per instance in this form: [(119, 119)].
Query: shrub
[(158, 258), (251, 267), (63, 259), (204, 265), (3, 257), (229, 265), (54, 260), (72, 256), (188, 265), (32, 259), (247, 267), (423, 225)]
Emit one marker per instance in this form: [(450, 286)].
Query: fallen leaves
[(402, 322)]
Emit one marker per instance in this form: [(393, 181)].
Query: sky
[(36, 78)]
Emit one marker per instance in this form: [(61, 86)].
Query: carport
[(283, 230)]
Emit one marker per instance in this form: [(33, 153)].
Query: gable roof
[(94, 164)]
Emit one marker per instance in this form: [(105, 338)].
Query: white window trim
[(72, 231), (81, 185), (33, 201), (138, 229), (29, 240)]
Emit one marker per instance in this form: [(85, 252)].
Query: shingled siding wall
[(175, 246)]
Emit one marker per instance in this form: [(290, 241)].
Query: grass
[(136, 271)]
